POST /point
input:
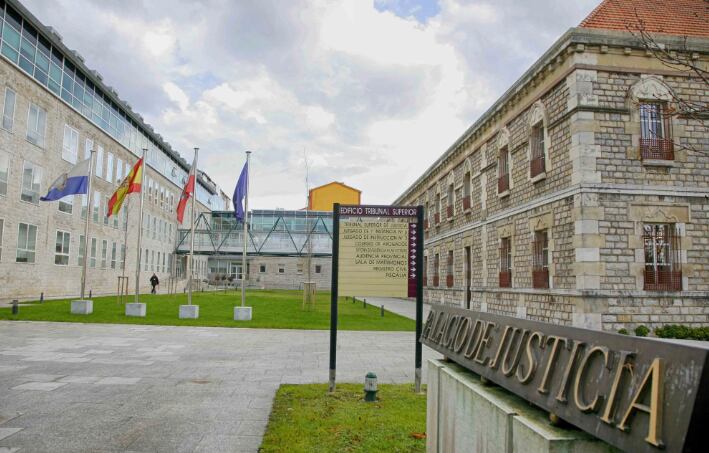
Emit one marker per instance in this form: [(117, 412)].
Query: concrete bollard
[(15, 307), (41, 298), (382, 311)]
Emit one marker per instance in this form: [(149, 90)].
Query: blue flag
[(240, 193), (73, 182)]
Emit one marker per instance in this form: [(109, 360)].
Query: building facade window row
[(662, 253), (23, 45)]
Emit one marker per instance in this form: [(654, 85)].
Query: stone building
[(581, 197), (55, 109)]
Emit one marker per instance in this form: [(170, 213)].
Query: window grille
[(663, 269), (503, 178), (540, 260), (505, 263), (537, 164), (656, 132)]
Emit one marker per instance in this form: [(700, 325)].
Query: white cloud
[(372, 97), (176, 94)]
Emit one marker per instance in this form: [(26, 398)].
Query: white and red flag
[(187, 192)]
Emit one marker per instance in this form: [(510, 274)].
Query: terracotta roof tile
[(675, 17)]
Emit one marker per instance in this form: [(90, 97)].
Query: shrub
[(683, 332), (641, 331), (623, 331)]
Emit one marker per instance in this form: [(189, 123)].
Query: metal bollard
[(41, 298), (364, 303), (15, 307), (382, 311), (90, 293)]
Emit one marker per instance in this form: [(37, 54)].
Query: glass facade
[(22, 44), (271, 232)]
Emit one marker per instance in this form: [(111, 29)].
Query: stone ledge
[(464, 415), (659, 163)]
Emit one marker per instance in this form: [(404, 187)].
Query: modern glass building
[(61, 70), (55, 111)]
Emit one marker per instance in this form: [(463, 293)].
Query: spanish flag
[(130, 184)]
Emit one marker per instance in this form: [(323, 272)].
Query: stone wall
[(594, 197), (294, 272), (463, 415)]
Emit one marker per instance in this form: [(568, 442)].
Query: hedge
[(683, 332)]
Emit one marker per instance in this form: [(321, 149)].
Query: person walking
[(154, 281)]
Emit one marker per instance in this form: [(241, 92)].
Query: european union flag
[(240, 193)]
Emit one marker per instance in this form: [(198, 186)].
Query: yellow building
[(322, 198)]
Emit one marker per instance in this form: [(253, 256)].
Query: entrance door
[(468, 276)]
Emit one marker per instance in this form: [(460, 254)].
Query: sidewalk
[(401, 307)]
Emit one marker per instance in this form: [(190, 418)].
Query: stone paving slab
[(116, 388)]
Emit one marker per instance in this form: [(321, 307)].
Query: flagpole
[(86, 225), (194, 195), (125, 242), (140, 229), (246, 231)]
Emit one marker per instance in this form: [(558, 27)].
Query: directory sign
[(377, 251)]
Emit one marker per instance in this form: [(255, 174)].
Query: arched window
[(652, 99), (467, 182), (538, 142), (437, 207), (450, 197), (504, 163)]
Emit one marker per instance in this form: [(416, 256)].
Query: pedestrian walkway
[(403, 307), (101, 387)]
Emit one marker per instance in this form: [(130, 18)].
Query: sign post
[(377, 251)]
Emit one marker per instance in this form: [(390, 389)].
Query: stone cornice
[(595, 293), (619, 189), (575, 40)]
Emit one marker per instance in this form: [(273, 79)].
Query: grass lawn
[(276, 309), (306, 418)]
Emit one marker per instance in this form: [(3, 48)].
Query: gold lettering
[(654, 410), (608, 411), (578, 391), (440, 327), (429, 325), (461, 334), (518, 352), (432, 332), (493, 364), (484, 340), (447, 338), (530, 358), (551, 360), (561, 396), (474, 340)]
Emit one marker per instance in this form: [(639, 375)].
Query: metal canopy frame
[(217, 243)]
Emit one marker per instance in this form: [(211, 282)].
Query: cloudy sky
[(372, 92)]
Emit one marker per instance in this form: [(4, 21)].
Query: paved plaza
[(101, 387)]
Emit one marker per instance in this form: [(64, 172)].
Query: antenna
[(308, 286)]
